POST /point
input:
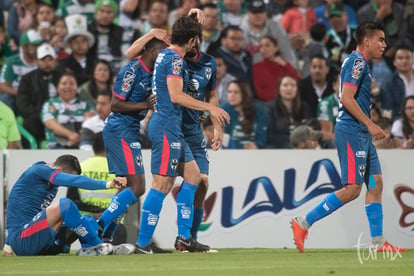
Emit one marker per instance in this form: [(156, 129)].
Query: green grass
[(227, 262)]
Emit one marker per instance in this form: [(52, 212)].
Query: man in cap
[(34, 89), (256, 25), (79, 40), (304, 137), (108, 35), (18, 65), (323, 17)]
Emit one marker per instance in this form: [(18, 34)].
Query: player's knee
[(67, 207), (204, 182), (138, 190)]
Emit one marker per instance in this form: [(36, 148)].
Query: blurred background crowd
[(277, 67)]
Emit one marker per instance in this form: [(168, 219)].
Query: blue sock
[(374, 214), (326, 207), (197, 219), (149, 216), (72, 220), (185, 209), (93, 224), (111, 228), (119, 204)]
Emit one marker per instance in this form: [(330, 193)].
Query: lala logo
[(208, 207), (404, 195)]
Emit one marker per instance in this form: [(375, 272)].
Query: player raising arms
[(37, 227), (132, 97), (170, 153), (354, 132)]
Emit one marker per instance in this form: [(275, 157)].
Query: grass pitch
[(226, 262)]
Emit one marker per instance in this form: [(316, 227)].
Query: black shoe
[(190, 245), (143, 250), (158, 250)]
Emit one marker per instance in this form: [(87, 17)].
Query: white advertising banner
[(253, 195)]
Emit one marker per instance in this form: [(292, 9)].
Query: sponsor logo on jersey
[(127, 81), (357, 68), (361, 153), (175, 145), (177, 64), (193, 85), (135, 145)]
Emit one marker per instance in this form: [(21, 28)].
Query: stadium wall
[(254, 194)]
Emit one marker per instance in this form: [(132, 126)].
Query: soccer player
[(132, 97), (170, 153), (354, 132), (37, 227)]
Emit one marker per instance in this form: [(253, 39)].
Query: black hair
[(184, 29), (68, 163), (98, 143), (367, 29), (318, 31)]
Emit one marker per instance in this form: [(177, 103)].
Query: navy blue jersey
[(37, 187), (133, 84), (169, 64), (202, 78), (355, 73)]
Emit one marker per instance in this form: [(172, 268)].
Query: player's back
[(169, 64), (31, 193), (355, 73), (133, 84), (202, 78)]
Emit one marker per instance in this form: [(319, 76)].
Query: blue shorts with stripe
[(357, 157), (123, 149), (37, 238), (168, 147), (197, 144)]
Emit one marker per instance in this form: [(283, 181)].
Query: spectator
[(391, 15), (44, 21), (389, 142), (83, 7), (59, 33), (284, 114), (247, 128), (18, 65), (266, 73), (34, 90), (327, 113), (322, 13), (79, 40), (63, 115), (108, 35), (304, 137), (317, 46), (20, 20), (231, 12), (276, 9), (5, 50), (211, 27), (341, 40), (9, 133), (101, 82), (401, 83), (237, 60), (129, 19), (183, 9), (94, 126), (222, 78), (157, 18), (317, 85), (403, 128), (297, 22), (256, 25)]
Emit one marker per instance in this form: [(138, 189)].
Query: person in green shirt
[(9, 133)]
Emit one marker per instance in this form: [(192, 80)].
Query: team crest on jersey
[(127, 81), (208, 73), (139, 161), (361, 170), (357, 68), (177, 64), (174, 164)]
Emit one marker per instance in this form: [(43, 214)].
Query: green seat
[(29, 137)]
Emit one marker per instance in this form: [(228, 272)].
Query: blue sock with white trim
[(119, 204), (185, 209), (326, 207), (375, 217)]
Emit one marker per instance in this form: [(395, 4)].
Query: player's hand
[(118, 183), (376, 132), (161, 34), (199, 14), (220, 114), (217, 140), (151, 101), (384, 10)]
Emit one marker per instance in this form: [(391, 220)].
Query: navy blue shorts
[(197, 144)]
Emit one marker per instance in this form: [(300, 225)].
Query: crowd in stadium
[(277, 67)]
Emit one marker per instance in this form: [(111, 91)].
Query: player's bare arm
[(121, 106), (136, 48), (349, 102)]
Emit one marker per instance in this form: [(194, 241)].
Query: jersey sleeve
[(7, 72), (48, 111), (174, 68), (212, 82), (124, 83), (354, 72)]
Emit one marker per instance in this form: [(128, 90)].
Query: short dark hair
[(184, 29), (98, 144), (229, 28), (68, 163), (367, 29), (318, 31)]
